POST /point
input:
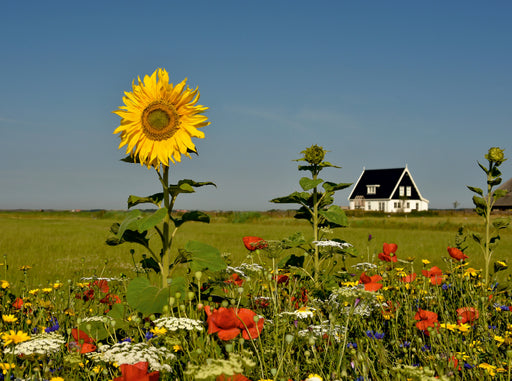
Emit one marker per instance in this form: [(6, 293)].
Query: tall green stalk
[(484, 204)]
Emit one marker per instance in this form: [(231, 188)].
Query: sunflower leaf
[(195, 215), (293, 198), (306, 183), (154, 199), (335, 215), (187, 186), (145, 298), (152, 220), (204, 257), (333, 187)]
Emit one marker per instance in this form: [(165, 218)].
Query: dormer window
[(371, 189)]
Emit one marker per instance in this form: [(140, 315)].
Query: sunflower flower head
[(159, 119)]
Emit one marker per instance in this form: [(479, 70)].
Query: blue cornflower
[(426, 348), (352, 345), (53, 327), (405, 344), (149, 335), (446, 286)]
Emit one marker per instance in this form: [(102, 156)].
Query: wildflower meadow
[(304, 307)]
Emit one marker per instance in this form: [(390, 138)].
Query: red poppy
[(388, 254), (426, 319), (137, 372), (110, 299), (253, 243), (235, 377), (88, 294), (370, 282), (467, 315), (228, 323), (456, 254), (83, 342), (280, 279), (102, 285), (435, 274), (409, 278), (235, 279), (18, 303)]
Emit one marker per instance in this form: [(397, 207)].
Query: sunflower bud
[(314, 154), (496, 155)]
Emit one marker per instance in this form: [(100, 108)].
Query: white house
[(387, 190)]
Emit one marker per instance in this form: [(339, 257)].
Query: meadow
[(73, 245), (75, 308)]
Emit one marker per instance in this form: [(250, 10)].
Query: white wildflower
[(254, 267), (174, 324), (43, 344), (340, 245), (334, 331), (301, 313), (235, 270), (365, 266), (128, 353)]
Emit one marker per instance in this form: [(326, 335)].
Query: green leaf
[(117, 312), (154, 199), (130, 222), (499, 193), (146, 298), (187, 186), (294, 198), (152, 220), (295, 240), (291, 260), (501, 223), (204, 257), (150, 263), (483, 167), (479, 202), (494, 182), (476, 190), (178, 284), (131, 159), (306, 183), (326, 164), (477, 238), (335, 215), (95, 329), (192, 216), (333, 187)]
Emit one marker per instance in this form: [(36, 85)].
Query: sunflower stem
[(166, 243)]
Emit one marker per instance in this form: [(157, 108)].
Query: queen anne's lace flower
[(128, 353), (44, 344), (175, 324), (340, 245), (334, 331)]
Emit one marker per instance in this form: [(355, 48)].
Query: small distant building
[(387, 190), (504, 203)]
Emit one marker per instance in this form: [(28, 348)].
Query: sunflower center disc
[(160, 121)]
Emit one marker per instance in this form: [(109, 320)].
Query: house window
[(417, 206), (371, 189), (369, 205), (397, 204), (408, 191), (408, 206), (401, 189), (382, 206)]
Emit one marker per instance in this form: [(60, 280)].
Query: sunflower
[(159, 120)]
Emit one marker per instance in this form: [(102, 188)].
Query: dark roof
[(507, 200), (387, 182)]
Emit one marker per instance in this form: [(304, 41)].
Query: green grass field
[(63, 245)]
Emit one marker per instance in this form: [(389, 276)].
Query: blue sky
[(378, 84)]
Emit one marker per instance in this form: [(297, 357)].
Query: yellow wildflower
[(314, 377), (57, 285), (159, 331), (34, 291), (425, 261), (25, 268), (177, 348), (491, 369), (9, 318), (499, 339), (47, 290), (464, 327), (471, 272), (5, 367), (449, 326), (56, 379), (4, 284), (14, 337)]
